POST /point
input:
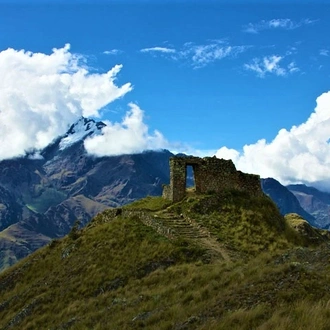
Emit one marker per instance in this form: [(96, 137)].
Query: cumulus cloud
[(128, 137), (41, 94), (277, 23), (270, 65), (301, 154), (199, 55)]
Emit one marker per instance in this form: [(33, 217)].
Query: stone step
[(185, 227), (170, 221), (173, 220), (190, 234), (181, 226), (184, 230)]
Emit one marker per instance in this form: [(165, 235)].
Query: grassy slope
[(16, 242), (121, 274)]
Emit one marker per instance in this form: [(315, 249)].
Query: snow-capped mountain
[(44, 193), (79, 131)]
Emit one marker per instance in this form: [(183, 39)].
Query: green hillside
[(224, 261)]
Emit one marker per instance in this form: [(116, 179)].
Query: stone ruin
[(211, 175)]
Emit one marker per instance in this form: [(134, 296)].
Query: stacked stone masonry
[(211, 174)]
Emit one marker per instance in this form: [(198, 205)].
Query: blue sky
[(207, 74)]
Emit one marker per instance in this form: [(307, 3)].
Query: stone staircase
[(183, 228), (187, 228), (173, 226)]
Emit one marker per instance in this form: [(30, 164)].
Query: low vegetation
[(43, 198), (149, 204), (118, 273)]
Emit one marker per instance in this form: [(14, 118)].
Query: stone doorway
[(190, 178)]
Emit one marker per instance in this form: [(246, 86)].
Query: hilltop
[(209, 261), (43, 193)]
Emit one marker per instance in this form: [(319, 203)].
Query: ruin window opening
[(190, 177)]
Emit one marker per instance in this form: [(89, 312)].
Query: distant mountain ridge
[(315, 202), (285, 200)]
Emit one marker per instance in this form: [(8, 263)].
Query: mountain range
[(43, 193)]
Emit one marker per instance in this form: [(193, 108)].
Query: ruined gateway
[(211, 174)]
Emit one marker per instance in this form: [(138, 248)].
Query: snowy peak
[(80, 130)]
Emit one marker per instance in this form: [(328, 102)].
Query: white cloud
[(197, 55), (40, 95), (278, 23), (281, 23), (301, 154), (324, 52), (270, 65), (112, 52), (35, 155), (292, 67), (201, 55), (128, 137), (158, 49)]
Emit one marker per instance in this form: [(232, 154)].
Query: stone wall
[(211, 175)]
